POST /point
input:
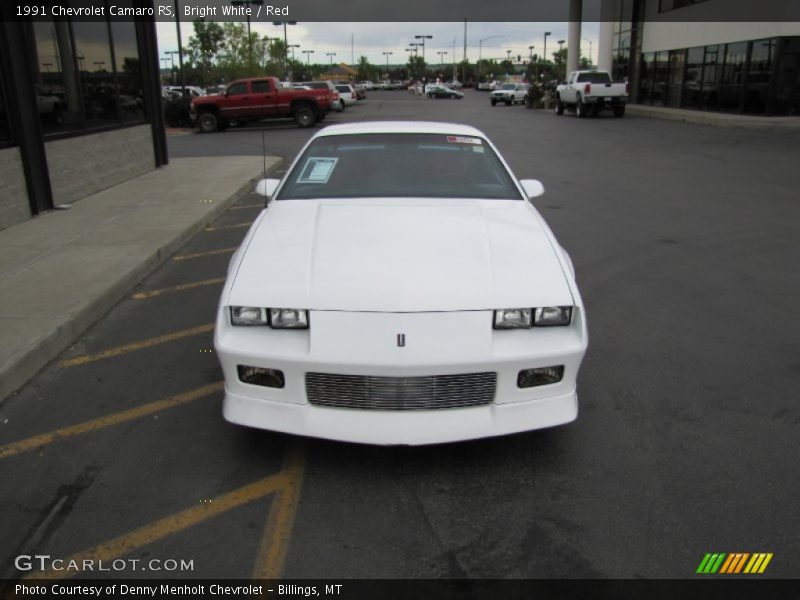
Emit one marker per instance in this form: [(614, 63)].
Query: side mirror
[(533, 187), (267, 187)]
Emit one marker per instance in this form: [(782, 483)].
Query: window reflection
[(56, 77), (5, 133), (128, 67)]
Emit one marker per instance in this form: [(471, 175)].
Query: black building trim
[(16, 50), (151, 82)]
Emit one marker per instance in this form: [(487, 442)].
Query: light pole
[(308, 54), (293, 46), (441, 54), (247, 4), (416, 46), (508, 55), (531, 49), (330, 55), (591, 62), (423, 38), (546, 33), (100, 63), (560, 45), (386, 54), (285, 44), (480, 46)]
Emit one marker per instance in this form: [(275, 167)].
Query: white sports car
[(400, 288)]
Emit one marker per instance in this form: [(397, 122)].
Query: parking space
[(684, 239)]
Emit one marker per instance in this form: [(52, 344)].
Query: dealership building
[(80, 108), (676, 54)]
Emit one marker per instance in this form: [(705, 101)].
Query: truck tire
[(580, 108), (494, 102), (304, 116), (208, 123), (619, 112), (509, 102), (559, 106)]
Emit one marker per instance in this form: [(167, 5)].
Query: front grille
[(433, 392)]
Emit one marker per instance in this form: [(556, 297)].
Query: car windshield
[(598, 77), (399, 165), (508, 86)]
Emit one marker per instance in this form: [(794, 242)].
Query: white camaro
[(400, 288)]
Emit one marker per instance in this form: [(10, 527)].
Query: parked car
[(441, 91), (509, 93), (366, 330), (347, 93), (260, 98), (49, 106), (361, 91), (590, 92)]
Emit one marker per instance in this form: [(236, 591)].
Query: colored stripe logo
[(734, 563)]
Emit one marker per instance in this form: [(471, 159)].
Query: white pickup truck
[(589, 92), (510, 93)]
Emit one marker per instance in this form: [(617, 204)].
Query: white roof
[(400, 127)]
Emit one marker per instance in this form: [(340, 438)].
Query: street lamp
[(480, 46), (423, 38), (293, 46), (285, 44), (247, 3), (441, 54), (416, 46), (308, 54), (591, 62), (386, 54), (560, 45), (330, 55), (531, 49), (508, 58), (100, 63), (546, 33)]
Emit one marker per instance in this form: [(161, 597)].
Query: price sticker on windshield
[(317, 170), (458, 139)]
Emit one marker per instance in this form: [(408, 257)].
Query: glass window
[(786, 100), (5, 132), (128, 68), (762, 57), (693, 79), (712, 72), (57, 82), (660, 72), (260, 87), (733, 77), (598, 77), (93, 49), (378, 165), (676, 65), (646, 78), (237, 89)]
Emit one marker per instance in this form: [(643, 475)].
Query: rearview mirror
[(533, 187), (267, 187)]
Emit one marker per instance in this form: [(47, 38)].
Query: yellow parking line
[(114, 419), (176, 288), (206, 253), (162, 528), (124, 349), (275, 541), (221, 227)]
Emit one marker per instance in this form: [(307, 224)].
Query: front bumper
[(435, 344)]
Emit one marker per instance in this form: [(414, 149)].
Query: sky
[(372, 39)]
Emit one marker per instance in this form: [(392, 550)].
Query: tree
[(204, 46), (416, 67), (366, 72)]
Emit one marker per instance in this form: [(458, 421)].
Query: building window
[(677, 59), (759, 75), (5, 132), (88, 75), (786, 99), (712, 73), (733, 77), (693, 78), (660, 72), (646, 78)]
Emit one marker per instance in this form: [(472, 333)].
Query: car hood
[(399, 255)]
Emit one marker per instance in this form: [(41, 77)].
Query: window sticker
[(317, 169), (458, 139), (478, 149)]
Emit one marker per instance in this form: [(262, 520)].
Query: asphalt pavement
[(684, 240)]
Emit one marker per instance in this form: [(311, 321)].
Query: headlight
[(523, 318), (288, 318), (277, 318), (248, 315), (552, 315), (512, 318)]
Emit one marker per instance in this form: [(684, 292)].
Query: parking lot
[(684, 239)]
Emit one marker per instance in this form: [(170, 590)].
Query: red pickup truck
[(259, 98)]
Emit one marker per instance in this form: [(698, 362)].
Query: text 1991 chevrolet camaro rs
[(400, 288)]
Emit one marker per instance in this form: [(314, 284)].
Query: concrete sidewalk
[(62, 271), (714, 118)]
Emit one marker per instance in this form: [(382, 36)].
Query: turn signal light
[(540, 376)]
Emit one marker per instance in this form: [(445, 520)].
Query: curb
[(17, 374)]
